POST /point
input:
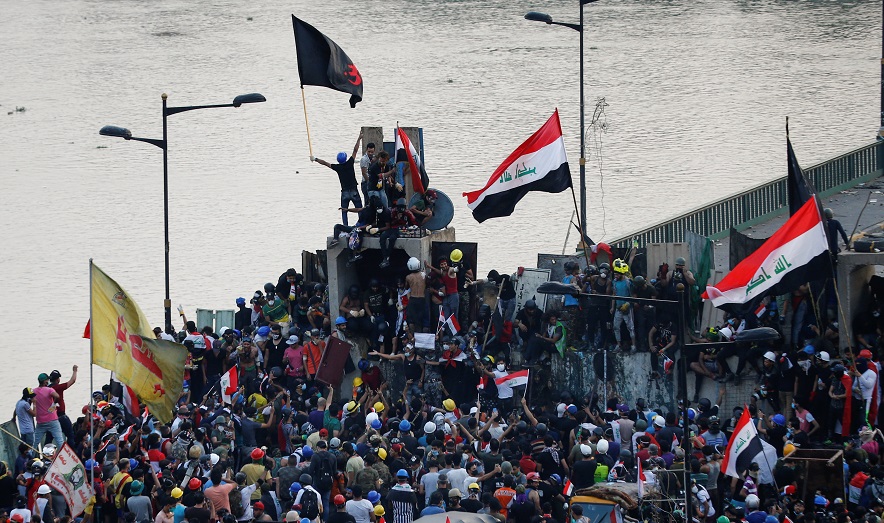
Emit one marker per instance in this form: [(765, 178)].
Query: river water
[(696, 95)]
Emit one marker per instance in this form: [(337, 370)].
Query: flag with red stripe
[(441, 319), (229, 383), (640, 479), (569, 488), (127, 433), (130, 401), (514, 379), (797, 253), (419, 179), (746, 447), (539, 164), (453, 325)]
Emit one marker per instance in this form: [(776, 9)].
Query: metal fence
[(763, 202)]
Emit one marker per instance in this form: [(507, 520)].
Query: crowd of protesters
[(436, 428)]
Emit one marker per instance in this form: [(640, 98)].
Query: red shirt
[(373, 378), (60, 388)]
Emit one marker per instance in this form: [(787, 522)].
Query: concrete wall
[(854, 271)]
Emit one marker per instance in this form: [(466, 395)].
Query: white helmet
[(429, 427), (413, 264), (602, 446), (752, 501), (370, 417), (585, 449), (659, 421), (770, 356)]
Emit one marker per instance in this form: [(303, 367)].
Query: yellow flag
[(123, 342)]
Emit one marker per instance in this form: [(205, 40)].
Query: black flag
[(321, 62), (799, 187)]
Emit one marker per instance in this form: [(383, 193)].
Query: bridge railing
[(761, 203)]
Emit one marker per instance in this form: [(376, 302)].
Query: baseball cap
[(454, 493)]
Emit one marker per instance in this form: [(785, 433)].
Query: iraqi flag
[(568, 489), (746, 447), (321, 62), (539, 164), (130, 401), (406, 152), (514, 379), (452, 325), (127, 433), (229, 383), (797, 253), (640, 480)]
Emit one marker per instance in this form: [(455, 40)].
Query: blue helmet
[(364, 365), (90, 464), (342, 157), (556, 478), (404, 425), (373, 496), (340, 320), (240, 301), (307, 452), (263, 331), (133, 463), (294, 488)]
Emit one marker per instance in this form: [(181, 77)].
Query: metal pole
[(583, 138), (683, 385), (167, 304), (881, 128)]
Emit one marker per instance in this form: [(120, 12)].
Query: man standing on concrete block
[(347, 176)]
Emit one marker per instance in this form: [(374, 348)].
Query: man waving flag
[(539, 164)]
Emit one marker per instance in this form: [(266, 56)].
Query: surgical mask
[(501, 366), (805, 365), (793, 405), (694, 489)]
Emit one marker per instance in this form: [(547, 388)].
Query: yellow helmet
[(456, 255), (352, 406), (449, 405), (357, 381), (379, 407), (788, 448), (177, 493), (620, 266), (379, 510), (382, 453)]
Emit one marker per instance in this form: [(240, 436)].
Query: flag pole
[(91, 379), (306, 121), (580, 226)]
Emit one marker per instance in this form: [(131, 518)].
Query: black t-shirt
[(346, 174), (471, 505), (340, 517), (583, 473), (214, 362), (374, 172), (509, 291), (197, 514)]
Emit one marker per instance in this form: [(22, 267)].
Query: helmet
[(456, 255), (605, 267), (692, 414), (829, 213), (257, 454), (449, 405), (404, 425), (533, 476), (379, 510), (357, 381), (269, 289), (570, 266), (49, 449), (351, 406), (306, 479), (713, 420), (263, 331), (602, 446), (340, 320), (541, 429), (307, 452), (373, 496), (625, 454), (334, 443), (431, 195), (530, 304), (194, 484), (90, 464), (363, 364), (639, 280), (620, 266), (177, 493), (704, 404), (592, 270), (769, 355), (680, 261), (354, 291), (752, 502), (318, 287), (54, 375), (341, 157), (378, 407), (429, 427), (488, 359), (413, 264), (339, 500)]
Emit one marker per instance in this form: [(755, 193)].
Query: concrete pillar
[(373, 135), (414, 137)]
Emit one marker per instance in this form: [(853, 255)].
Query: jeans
[(451, 304), (28, 437), (623, 317), (53, 427), (348, 196), (388, 240)]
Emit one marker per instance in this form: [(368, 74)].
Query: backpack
[(325, 476), (234, 499), (309, 504), (354, 242)]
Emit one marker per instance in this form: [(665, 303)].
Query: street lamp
[(534, 16), (122, 132)]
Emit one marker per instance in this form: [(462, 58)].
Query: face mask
[(277, 336), (694, 489), (805, 365), (793, 405), (501, 366)]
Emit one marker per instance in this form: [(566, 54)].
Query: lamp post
[(122, 132), (534, 16)]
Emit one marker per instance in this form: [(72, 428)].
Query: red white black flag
[(797, 253), (746, 447), (539, 164), (322, 62)]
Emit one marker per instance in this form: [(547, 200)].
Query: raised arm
[(356, 147)]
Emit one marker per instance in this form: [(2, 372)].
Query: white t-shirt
[(364, 163), (360, 510), (25, 514)]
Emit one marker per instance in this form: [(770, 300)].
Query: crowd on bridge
[(467, 422)]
